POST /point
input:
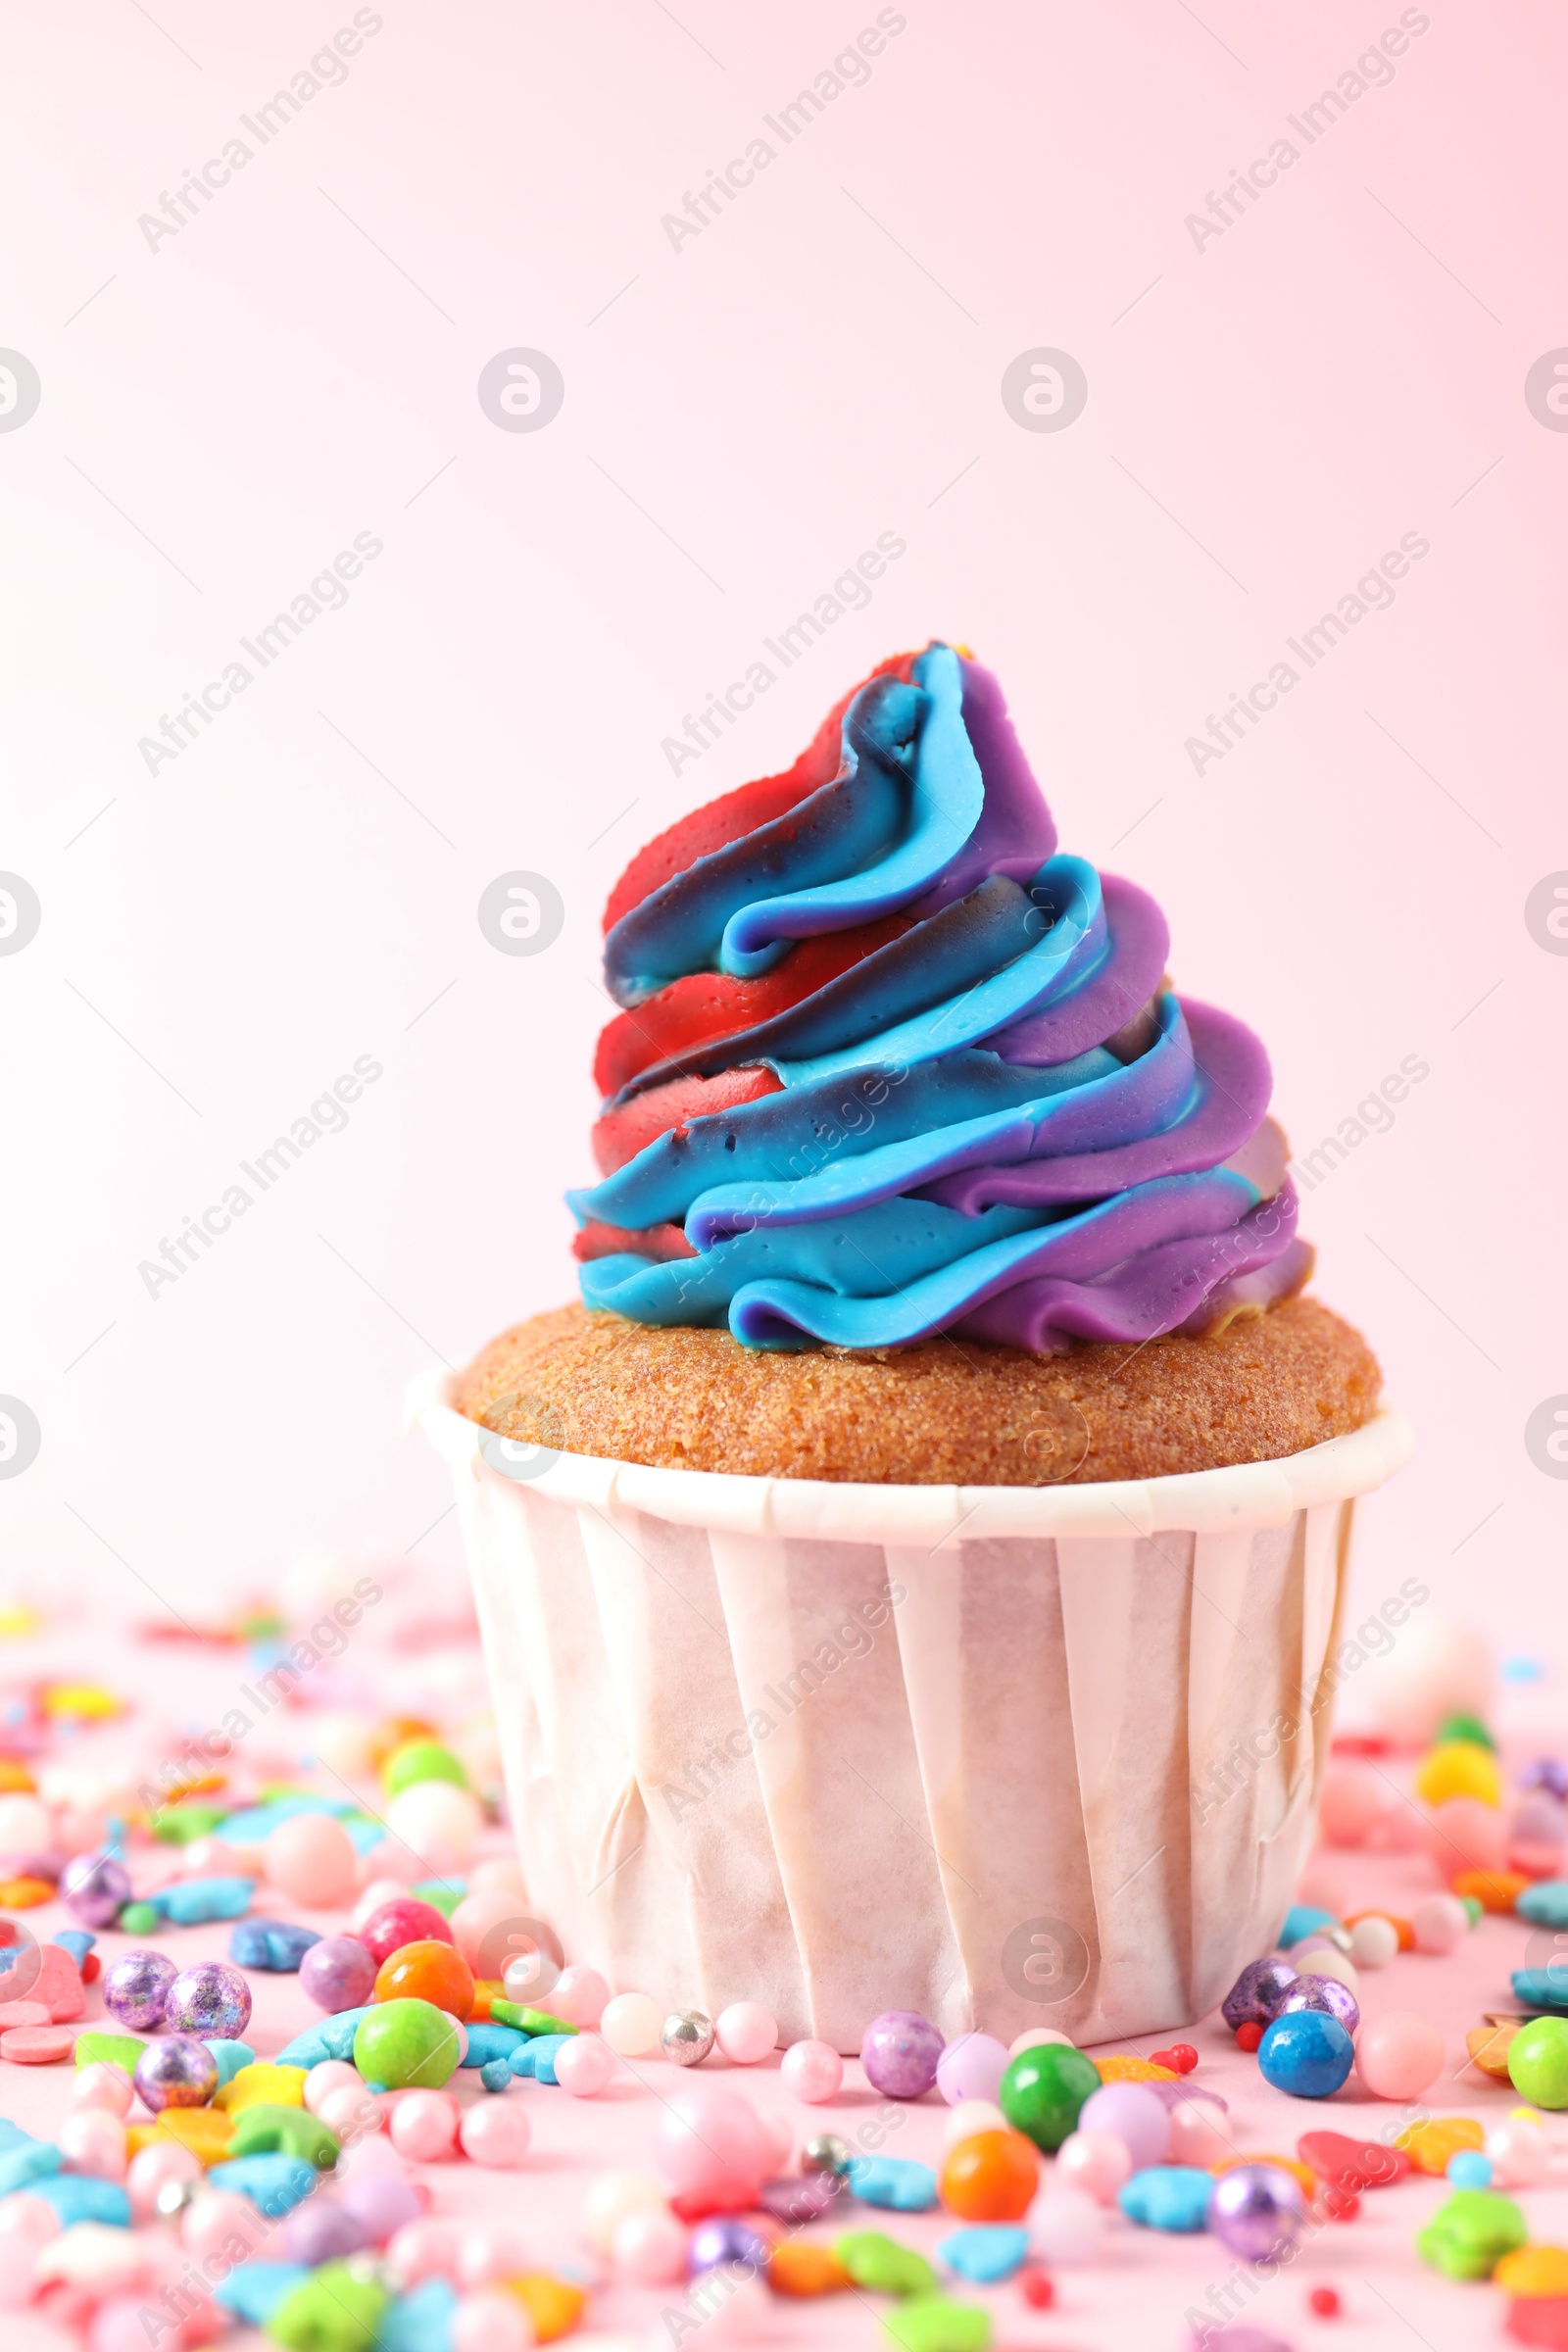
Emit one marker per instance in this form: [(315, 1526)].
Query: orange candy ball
[(991, 2177), (427, 1972)]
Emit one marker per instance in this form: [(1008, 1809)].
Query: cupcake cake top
[(890, 1064)]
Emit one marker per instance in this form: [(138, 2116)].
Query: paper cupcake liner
[(1007, 1756)]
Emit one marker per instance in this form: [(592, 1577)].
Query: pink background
[(221, 416)]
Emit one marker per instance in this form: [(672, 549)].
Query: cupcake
[(909, 1573)]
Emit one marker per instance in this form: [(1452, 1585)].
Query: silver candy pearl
[(172, 2198), (687, 2037), (826, 2153)]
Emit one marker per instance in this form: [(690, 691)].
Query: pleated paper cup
[(1009, 1756)]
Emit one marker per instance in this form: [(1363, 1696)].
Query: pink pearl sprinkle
[(349, 2110), (92, 2140), (490, 2250), (333, 2074), (745, 2033), (103, 2086), (425, 2249), (152, 2168), (496, 2133), (650, 2248), (1398, 2055), (425, 2126), (811, 2071), (581, 1996), (216, 2223), (1440, 1923), (584, 2065), (1096, 2162), (490, 2322)]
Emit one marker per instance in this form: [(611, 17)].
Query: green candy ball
[(1043, 2089), (403, 2044), (421, 1760), (1538, 2062), (138, 1918)]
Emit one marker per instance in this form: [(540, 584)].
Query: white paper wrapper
[(971, 1751)]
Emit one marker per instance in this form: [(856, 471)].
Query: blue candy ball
[(1469, 2168), (495, 2074), (1307, 2053)]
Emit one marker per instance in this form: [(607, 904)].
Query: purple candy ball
[(805, 2199), (317, 2232), (900, 2054), (179, 2072), (1131, 2112), (95, 1889), (971, 2067), (211, 2000), (136, 1989), (1546, 1772), (1258, 2211), (380, 2202), (1328, 1996), (721, 2240), (1257, 1993), (338, 1973)]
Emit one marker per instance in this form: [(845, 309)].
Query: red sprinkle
[(1247, 2038), (1181, 2057), (92, 1968), (1325, 2301), (1035, 2279)]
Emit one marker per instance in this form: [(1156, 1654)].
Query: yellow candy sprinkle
[(262, 2085), (1303, 2173), (1428, 2146), (1119, 2069), (201, 2129), (1460, 1768), (25, 1894), (1488, 2046), (15, 1778), (552, 2305), (1533, 2271), (79, 1698), (17, 1621)]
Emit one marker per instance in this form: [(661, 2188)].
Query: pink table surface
[(1137, 2291)]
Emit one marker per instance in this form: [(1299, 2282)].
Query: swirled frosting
[(890, 1064)]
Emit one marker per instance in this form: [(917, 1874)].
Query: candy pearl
[(434, 1814), (480, 1926), (708, 2143), (1131, 2112), (333, 2074), (687, 2037), (337, 1973), (26, 2225), (632, 2024), (373, 1897), (1320, 1959), (1195, 2138), (92, 2140), (135, 1989), (1034, 2037), (153, 2169), (968, 2119), (496, 2133), (971, 2067), (425, 2126), (649, 2247), (179, 2072), (487, 2251), (1520, 2153), (1327, 1995), (1096, 2162), (211, 2000), (427, 2248), (826, 2152), (900, 2053), (1440, 1923), (349, 2110), (95, 1889), (579, 1995), (381, 2203), (812, 2072), (1066, 2226), (721, 2242), (1373, 1942), (1258, 2211), (584, 2065), (313, 1860), (491, 2322), (370, 2155), (611, 2198), (1352, 1801), (745, 2033), (108, 2087), (217, 2215), (1400, 2055)]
